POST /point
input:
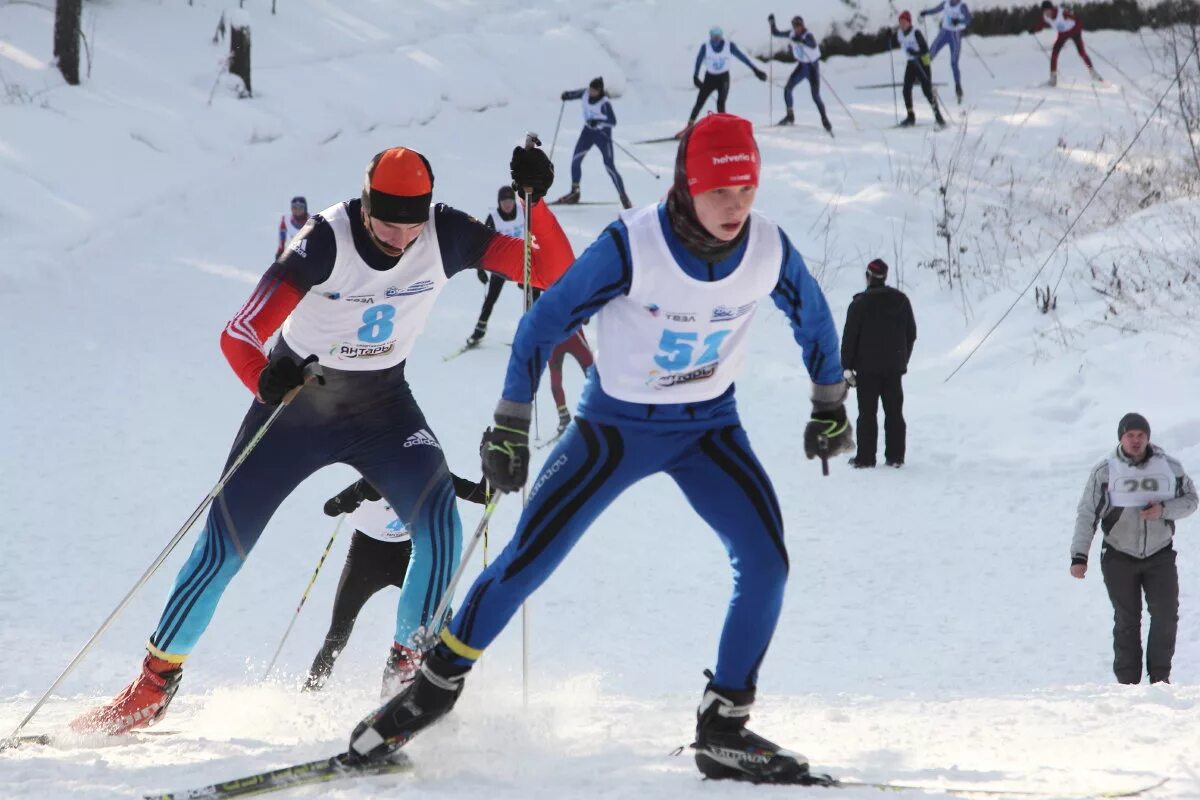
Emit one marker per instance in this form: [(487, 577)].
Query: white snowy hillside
[(931, 634)]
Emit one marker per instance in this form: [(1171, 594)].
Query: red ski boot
[(141, 704)]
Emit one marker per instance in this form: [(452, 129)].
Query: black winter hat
[(1133, 422), (597, 84), (506, 193)]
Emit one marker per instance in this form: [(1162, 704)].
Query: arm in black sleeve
[(573, 94), (922, 44), (912, 327), (462, 239), (470, 491), (850, 335)]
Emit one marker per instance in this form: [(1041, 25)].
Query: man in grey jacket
[(1136, 495)]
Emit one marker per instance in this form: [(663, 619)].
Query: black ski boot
[(478, 334), (625, 203), (726, 749), (909, 121), (827, 125), (570, 198), (788, 119), (938, 118), (958, 92), (426, 700)]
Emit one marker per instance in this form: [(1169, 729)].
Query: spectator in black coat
[(876, 345)]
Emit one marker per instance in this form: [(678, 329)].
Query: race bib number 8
[(377, 324)]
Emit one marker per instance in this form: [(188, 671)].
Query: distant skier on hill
[(808, 67), (919, 68), (1069, 28), (353, 292), (714, 56), (508, 219), (290, 224), (673, 287), (955, 19), (598, 122)]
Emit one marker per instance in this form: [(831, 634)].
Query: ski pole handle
[(823, 453)]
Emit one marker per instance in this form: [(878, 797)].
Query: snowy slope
[(931, 631)]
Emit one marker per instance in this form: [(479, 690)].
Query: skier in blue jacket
[(714, 55), (673, 288), (955, 19)]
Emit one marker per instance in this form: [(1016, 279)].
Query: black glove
[(482, 275), (471, 491), (828, 433), (350, 498), (771, 19), (593, 123), (530, 168), (758, 73), (566, 96), (697, 82), (505, 448), (280, 377)]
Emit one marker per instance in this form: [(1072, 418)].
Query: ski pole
[(429, 637), (1100, 56), (635, 158), (304, 596), (527, 253), (892, 59), (833, 91), (823, 453), (977, 55), (312, 372), (554, 141), (771, 74)]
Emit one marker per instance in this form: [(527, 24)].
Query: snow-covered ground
[(931, 633)]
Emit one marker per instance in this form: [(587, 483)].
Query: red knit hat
[(906, 17), (721, 151), (398, 186)]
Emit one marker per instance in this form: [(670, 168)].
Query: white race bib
[(1131, 486)]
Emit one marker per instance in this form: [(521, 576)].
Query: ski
[(542, 445), (659, 140), (320, 771), (51, 739), (970, 790), (459, 351), (587, 203)]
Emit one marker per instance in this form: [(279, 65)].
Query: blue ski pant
[(601, 138), (954, 39), (592, 464), (811, 73), (368, 420)]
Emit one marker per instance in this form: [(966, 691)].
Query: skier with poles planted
[(808, 67), (673, 287), (353, 291), (955, 19), (714, 56), (1069, 28), (598, 122), (919, 67), (378, 557)]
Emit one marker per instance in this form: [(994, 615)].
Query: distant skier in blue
[(808, 67), (598, 121), (955, 19), (714, 56), (673, 288)]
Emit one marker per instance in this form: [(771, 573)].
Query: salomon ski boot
[(426, 700), (141, 704), (788, 119), (477, 335), (727, 749)]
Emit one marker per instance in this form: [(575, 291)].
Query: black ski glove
[(531, 169), (771, 19), (828, 432), (482, 275), (505, 447), (350, 498), (697, 82), (758, 73), (280, 377), (566, 96)]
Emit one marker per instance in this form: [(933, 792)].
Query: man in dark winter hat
[(1135, 495), (877, 343)]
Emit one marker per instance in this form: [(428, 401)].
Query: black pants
[(916, 72), (495, 284), (712, 83), (872, 387), (1126, 578), (371, 565)]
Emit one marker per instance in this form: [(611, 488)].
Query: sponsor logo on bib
[(417, 288), (346, 350)]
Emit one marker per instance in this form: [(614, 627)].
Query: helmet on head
[(398, 186), (715, 32)]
